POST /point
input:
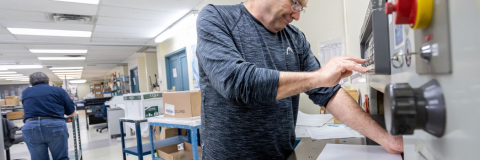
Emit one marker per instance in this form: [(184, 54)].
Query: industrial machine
[(423, 74)]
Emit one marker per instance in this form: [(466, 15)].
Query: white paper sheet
[(329, 132), (356, 152), (312, 119)]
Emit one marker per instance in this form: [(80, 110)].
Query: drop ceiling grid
[(112, 21), (121, 35), (46, 25), (22, 15), (179, 6), (49, 6)]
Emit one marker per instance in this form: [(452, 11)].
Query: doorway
[(134, 80), (176, 65)]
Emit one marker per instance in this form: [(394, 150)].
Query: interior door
[(135, 87), (177, 71)]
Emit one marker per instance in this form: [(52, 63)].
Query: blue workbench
[(191, 124)]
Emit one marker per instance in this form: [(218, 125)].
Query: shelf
[(157, 144)]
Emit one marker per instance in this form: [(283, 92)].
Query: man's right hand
[(338, 68)]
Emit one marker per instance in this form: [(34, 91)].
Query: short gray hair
[(38, 78)]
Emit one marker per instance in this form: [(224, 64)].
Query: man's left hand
[(393, 144)]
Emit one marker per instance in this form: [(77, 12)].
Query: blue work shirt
[(43, 100), (239, 66)]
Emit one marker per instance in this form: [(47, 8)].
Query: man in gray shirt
[(253, 65)]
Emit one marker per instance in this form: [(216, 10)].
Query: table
[(135, 150), (8, 110), (309, 149), (191, 124)]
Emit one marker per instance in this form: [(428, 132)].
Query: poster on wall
[(195, 77), (73, 88), (330, 49)]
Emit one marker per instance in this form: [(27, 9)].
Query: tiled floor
[(96, 146)]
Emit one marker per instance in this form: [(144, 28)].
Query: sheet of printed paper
[(357, 152), (313, 119), (330, 49)]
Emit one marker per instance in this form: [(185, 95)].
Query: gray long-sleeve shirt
[(239, 64)]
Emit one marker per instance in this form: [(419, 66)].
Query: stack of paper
[(315, 120), (357, 152), (329, 132)]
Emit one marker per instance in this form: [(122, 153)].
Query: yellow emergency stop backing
[(424, 14)]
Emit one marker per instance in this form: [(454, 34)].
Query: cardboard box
[(167, 132), (107, 89), (97, 87), (182, 104), (12, 100), (107, 94), (3, 102), (174, 152), (98, 94), (15, 115)]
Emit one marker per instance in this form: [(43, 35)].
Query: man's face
[(283, 14)]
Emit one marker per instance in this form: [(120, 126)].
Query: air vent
[(71, 18)]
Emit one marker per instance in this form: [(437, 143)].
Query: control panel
[(374, 40), (407, 109), (429, 19)]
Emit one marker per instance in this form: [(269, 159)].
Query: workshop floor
[(96, 146)]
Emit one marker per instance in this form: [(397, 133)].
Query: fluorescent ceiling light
[(78, 81), (21, 66), (61, 58), (178, 27), (19, 77), (8, 72), (59, 71), (69, 77), (66, 68), (10, 75), (58, 51), (49, 32), (71, 73), (3, 69), (81, 1)]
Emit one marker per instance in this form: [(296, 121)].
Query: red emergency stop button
[(417, 13)]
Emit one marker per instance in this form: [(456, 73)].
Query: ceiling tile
[(75, 63), (151, 32), (114, 48), (167, 17), (110, 52), (120, 40), (19, 59), (49, 6), (122, 35), (46, 25), (55, 47), (21, 15), (7, 37), (13, 49), (4, 30), (53, 39), (158, 5), (111, 21)]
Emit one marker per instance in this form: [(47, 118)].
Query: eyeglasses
[(297, 7)]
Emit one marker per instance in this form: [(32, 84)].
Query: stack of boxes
[(179, 105), (97, 90), (12, 101)]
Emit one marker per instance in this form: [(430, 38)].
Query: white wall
[(180, 41), (83, 89), (323, 21)]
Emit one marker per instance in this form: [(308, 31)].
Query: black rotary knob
[(407, 108)]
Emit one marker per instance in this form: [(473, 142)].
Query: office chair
[(10, 136), (102, 114)]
